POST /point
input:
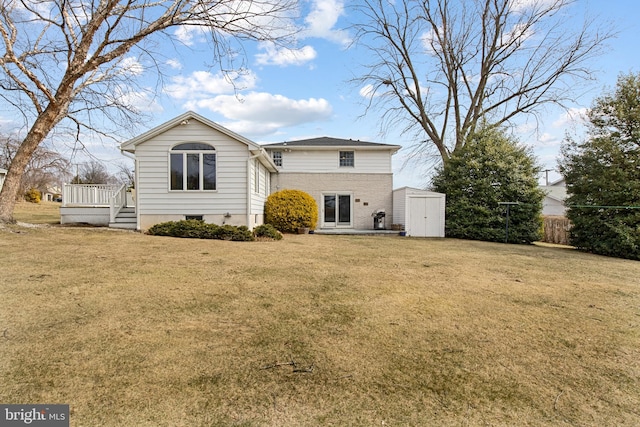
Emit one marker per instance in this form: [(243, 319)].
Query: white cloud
[(571, 118), (547, 139), (260, 113), (321, 20), (191, 34), (518, 34), (132, 66), (141, 101), (284, 56), (175, 64), (430, 41), (523, 5), (202, 84), (368, 92)]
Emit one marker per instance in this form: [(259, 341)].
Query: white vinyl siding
[(261, 184), (154, 196), (328, 161)]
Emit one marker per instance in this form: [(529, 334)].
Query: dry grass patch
[(37, 213), (135, 330)]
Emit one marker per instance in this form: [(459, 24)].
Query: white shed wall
[(434, 210)]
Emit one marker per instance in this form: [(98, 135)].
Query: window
[(193, 167), (277, 157), (346, 159)]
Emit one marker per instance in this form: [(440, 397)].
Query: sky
[(288, 95)]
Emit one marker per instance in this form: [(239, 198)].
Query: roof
[(183, 119), (555, 192), (328, 142)]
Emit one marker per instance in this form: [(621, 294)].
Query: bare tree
[(440, 68), (64, 63), (94, 172), (45, 169)]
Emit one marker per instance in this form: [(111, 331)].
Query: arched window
[(193, 167)]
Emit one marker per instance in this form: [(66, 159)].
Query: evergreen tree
[(491, 169), (603, 175)]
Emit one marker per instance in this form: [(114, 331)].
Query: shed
[(420, 212)]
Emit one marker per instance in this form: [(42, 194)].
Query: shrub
[(491, 169), (197, 229), (288, 210), (267, 231), (32, 196)]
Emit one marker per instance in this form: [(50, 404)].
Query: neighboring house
[(350, 180), (52, 193), (191, 167), (3, 175), (555, 195)]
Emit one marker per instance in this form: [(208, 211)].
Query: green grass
[(136, 330)]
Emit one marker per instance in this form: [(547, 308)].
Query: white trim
[(336, 223), (184, 154)]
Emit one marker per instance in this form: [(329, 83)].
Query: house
[(191, 167), (351, 181), (3, 175), (555, 195)]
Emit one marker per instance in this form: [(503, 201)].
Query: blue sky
[(307, 94)]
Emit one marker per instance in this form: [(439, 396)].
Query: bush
[(197, 229), (267, 231), (491, 169), (32, 196), (288, 210)]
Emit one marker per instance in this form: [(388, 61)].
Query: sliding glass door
[(336, 210)]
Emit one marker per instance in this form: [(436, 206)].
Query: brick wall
[(369, 192)]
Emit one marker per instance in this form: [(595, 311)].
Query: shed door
[(424, 217)]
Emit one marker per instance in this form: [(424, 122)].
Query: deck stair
[(125, 219)]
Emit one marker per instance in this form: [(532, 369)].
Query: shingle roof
[(326, 141)]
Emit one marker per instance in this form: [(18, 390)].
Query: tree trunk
[(9, 193)]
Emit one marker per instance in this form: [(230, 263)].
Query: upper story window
[(277, 157), (193, 167), (346, 159)]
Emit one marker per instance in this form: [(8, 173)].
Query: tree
[(441, 68), (489, 171), (45, 168), (64, 64), (94, 172), (603, 175)]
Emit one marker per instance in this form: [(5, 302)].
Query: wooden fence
[(556, 229)]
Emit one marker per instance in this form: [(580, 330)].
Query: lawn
[(136, 330)]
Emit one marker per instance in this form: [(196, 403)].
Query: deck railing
[(89, 195), (117, 202)]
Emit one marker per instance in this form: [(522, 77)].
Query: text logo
[(34, 415)]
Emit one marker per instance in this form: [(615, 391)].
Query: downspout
[(249, 190)]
